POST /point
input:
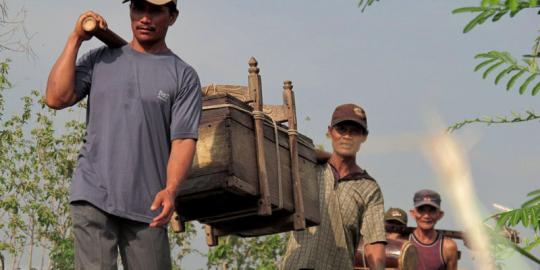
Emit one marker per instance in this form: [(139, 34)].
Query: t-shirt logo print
[(163, 96)]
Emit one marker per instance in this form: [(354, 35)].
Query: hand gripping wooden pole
[(288, 101), (255, 89), (111, 39)]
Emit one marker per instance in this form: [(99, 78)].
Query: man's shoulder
[(449, 244), (96, 53), (181, 62)]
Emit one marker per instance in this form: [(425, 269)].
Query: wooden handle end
[(89, 24)]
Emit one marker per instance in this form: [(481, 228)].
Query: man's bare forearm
[(60, 91), (180, 159), (375, 256)]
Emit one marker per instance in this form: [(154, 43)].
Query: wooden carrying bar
[(107, 36), (251, 174)]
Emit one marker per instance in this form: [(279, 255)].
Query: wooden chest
[(223, 189)]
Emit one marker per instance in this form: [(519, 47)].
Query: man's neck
[(154, 48), (344, 165), (425, 236)]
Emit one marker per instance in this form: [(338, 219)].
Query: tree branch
[(515, 118)]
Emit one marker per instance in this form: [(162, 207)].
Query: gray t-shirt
[(137, 104)]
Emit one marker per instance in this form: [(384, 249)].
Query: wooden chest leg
[(211, 237), (178, 225)]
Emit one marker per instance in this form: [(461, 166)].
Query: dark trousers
[(99, 236)]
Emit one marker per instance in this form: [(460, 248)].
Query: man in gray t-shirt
[(144, 106)]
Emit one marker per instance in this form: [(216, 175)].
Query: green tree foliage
[(180, 244), (528, 216), (494, 10), (526, 75), (37, 166), (260, 253)]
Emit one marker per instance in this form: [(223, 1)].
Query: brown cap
[(427, 197), (349, 112), (396, 214), (156, 2)]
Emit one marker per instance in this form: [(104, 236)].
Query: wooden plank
[(237, 91), (277, 112)]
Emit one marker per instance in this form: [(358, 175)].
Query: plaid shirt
[(350, 209)]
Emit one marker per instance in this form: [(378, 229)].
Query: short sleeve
[(187, 108), (83, 73), (373, 220)]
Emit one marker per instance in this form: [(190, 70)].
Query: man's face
[(346, 138), (149, 23), (426, 216)]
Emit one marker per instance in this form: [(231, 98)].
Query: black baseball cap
[(350, 112), (427, 197)]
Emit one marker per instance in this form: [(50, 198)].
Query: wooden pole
[(255, 88), (107, 36), (288, 100)]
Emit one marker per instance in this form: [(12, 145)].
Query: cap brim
[(363, 125), (396, 219), (421, 203)]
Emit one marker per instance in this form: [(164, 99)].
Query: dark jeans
[(99, 236)]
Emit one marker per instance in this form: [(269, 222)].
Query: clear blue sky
[(400, 60)]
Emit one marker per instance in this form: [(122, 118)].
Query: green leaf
[(503, 219), (535, 219), (503, 73), (536, 89), (487, 62), (476, 21), (533, 3), (488, 14), (523, 87), (513, 79), (468, 9), (516, 217), (513, 4), (531, 202), (490, 69), (534, 192), (499, 15), (506, 56), (525, 217), (483, 55)]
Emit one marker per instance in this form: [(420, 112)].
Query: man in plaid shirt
[(351, 204)]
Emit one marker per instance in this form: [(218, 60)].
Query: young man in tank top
[(435, 252)]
